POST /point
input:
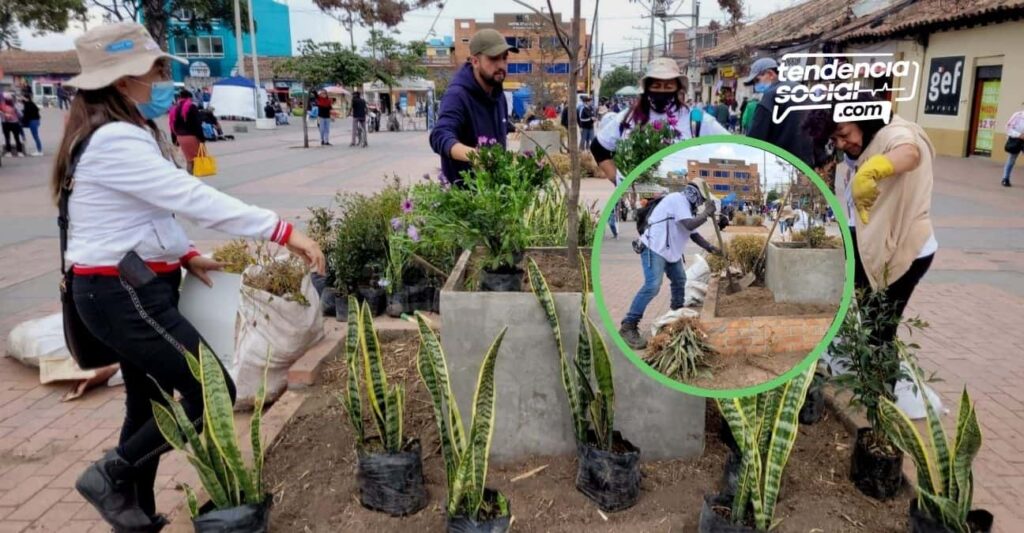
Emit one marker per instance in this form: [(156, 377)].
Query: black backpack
[(644, 213)]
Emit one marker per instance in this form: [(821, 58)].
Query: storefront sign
[(199, 69), (945, 77), (729, 72), (987, 117)]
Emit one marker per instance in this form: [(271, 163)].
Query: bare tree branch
[(558, 31)]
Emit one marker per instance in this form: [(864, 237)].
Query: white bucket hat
[(663, 68), (113, 51)]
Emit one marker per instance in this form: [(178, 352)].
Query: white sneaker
[(36, 154)]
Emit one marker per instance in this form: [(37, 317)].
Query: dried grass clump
[(817, 238), (740, 219), (680, 350), (278, 276), (236, 255)]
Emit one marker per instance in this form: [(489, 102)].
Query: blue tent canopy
[(730, 199), (237, 81), (521, 99)]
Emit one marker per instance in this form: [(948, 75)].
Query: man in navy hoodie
[(474, 105)]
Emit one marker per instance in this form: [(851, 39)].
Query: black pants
[(145, 329), (15, 129), (897, 293)]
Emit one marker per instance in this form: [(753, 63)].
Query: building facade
[(728, 176), (214, 54), (541, 58), (41, 72)]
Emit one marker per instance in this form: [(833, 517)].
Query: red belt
[(158, 267)]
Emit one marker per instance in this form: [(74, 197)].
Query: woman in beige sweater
[(885, 184)]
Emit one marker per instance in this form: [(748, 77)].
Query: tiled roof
[(23, 62), (929, 14), (793, 25)]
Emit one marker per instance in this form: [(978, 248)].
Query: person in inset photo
[(671, 222)]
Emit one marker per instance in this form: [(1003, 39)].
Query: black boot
[(107, 484), (631, 334)]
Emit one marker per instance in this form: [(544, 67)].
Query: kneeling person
[(670, 224)]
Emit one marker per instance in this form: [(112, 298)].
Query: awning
[(337, 89), (628, 90), (236, 81)]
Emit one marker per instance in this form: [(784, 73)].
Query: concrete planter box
[(266, 123), (796, 274), (550, 141), (760, 334), (532, 414)]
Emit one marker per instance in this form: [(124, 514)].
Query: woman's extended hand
[(199, 266), (301, 245)]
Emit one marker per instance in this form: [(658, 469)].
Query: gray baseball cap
[(490, 43), (758, 67)]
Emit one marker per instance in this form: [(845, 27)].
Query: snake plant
[(765, 427), (945, 483), (387, 404), (465, 455), (586, 378), (215, 454)]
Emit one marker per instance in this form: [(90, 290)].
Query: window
[(465, 39), (742, 175), (465, 26), (721, 173), (558, 68), (441, 52), (720, 187), (519, 42), (746, 189), (184, 14), (550, 43), (206, 46), (520, 68), (703, 173)]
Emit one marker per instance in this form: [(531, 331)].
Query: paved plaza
[(973, 299)]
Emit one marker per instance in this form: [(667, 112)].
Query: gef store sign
[(943, 91)]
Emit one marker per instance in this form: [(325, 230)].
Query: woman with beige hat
[(121, 197), (661, 101)]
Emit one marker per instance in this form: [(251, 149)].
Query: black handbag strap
[(66, 187)]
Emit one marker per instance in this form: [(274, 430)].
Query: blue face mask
[(761, 87), (161, 98)]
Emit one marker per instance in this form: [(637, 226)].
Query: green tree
[(322, 63), (156, 15), (43, 15), (366, 13), (9, 39), (391, 59), (618, 78), (772, 196)]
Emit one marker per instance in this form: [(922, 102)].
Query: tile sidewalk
[(973, 298)]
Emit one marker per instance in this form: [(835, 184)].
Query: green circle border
[(609, 322)]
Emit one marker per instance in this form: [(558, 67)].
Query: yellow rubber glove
[(865, 184)]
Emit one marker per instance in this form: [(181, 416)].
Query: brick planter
[(760, 334), (532, 414)]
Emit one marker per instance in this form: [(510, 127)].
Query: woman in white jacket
[(126, 195)]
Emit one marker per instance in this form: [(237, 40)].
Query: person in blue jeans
[(670, 225), (30, 120)]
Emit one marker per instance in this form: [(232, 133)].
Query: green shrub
[(817, 238), (359, 253)]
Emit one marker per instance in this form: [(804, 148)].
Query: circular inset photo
[(730, 267)]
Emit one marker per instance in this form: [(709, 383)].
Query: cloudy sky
[(777, 169), (621, 22)]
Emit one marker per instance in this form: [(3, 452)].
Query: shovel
[(764, 250), (733, 286)]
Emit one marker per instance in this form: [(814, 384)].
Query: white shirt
[(126, 195), (801, 222), (665, 235)]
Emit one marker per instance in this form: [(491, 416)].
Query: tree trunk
[(572, 200), (305, 127), (155, 17)]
